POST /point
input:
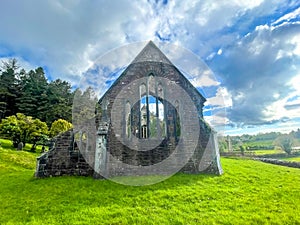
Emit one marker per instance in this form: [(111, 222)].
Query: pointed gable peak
[(151, 53)]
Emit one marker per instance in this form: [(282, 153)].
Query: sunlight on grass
[(249, 192), (266, 152), (292, 159), (7, 144), (11, 159)]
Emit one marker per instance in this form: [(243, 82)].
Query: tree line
[(261, 141), (32, 94), (32, 109)]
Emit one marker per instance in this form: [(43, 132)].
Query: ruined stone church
[(149, 122)]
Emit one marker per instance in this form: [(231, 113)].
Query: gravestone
[(20, 146)]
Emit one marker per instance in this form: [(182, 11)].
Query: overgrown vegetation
[(249, 192)]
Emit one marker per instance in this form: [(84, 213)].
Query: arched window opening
[(82, 137), (162, 110), (154, 129), (144, 112), (177, 120), (152, 117), (128, 120), (146, 118)]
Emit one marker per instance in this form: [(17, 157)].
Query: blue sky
[(251, 46)]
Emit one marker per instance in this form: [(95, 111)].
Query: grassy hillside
[(250, 192), (12, 160)]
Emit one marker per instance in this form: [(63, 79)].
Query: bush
[(59, 126)]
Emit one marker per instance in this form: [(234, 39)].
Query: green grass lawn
[(266, 152), (259, 143), (13, 160), (7, 144), (249, 192), (293, 159)]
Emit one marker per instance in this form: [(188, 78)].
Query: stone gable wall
[(203, 160)]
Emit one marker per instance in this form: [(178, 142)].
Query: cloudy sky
[(251, 46)]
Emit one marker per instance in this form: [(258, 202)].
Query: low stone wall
[(280, 162)]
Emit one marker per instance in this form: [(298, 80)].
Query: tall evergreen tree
[(30, 93), (60, 100), (9, 88), (33, 99)]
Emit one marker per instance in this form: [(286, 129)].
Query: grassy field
[(265, 152), (259, 143), (7, 144), (249, 192), (293, 159), (12, 160)]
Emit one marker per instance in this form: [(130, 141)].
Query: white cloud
[(258, 78), (215, 110), (67, 37), (220, 51), (296, 42), (222, 98), (217, 122), (288, 17), (204, 80)]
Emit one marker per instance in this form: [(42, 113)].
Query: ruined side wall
[(64, 158)]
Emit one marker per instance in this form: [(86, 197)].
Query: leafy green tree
[(223, 146), (37, 133), (11, 128), (59, 126), (25, 129), (242, 149), (296, 133), (85, 106), (153, 124), (285, 142)]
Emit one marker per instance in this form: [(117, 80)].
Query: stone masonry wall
[(280, 162), (135, 73), (64, 158), (202, 152)]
